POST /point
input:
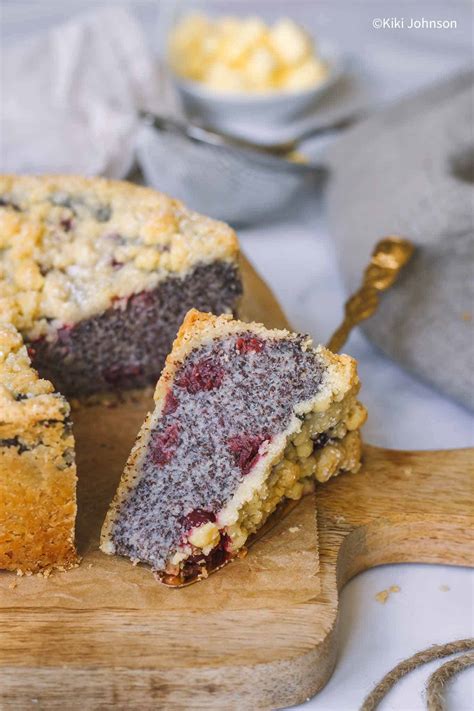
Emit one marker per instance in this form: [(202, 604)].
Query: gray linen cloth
[(410, 171)]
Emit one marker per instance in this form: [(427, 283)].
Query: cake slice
[(98, 275), (244, 418), (37, 470)]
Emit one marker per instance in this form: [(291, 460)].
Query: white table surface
[(296, 257)]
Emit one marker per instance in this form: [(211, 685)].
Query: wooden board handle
[(401, 507)]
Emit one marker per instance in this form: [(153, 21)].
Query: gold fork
[(389, 257)]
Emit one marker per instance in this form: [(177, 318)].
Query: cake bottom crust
[(37, 511), (126, 346)]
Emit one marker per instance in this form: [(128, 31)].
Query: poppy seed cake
[(244, 418), (97, 275)]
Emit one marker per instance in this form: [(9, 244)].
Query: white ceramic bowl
[(254, 116)]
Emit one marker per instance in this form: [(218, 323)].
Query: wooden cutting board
[(260, 634)]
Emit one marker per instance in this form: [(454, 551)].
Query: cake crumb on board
[(383, 595), (444, 588)]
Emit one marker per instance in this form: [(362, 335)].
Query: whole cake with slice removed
[(98, 275), (245, 417), (37, 469)]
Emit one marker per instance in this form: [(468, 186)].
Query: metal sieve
[(227, 178)]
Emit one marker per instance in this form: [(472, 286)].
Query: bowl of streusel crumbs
[(233, 72)]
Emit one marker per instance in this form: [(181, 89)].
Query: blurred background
[(315, 128), (75, 74)]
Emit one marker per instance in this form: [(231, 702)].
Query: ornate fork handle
[(388, 258)]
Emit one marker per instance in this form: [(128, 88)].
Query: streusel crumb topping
[(70, 247), (25, 398)]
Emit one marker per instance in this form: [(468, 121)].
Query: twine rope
[(437, 681), (437, 651)]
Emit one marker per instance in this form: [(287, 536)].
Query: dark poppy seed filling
[(227, 401), (126, 346), (245, 418)]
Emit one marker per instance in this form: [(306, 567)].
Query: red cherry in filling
[(171, 403), (249, 344), (214, 559), (64, 331), (245, 450), (116, 374), (198, 517), (163, 445), (144, 299), (204, 375), (32, 347)]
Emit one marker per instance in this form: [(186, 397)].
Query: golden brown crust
[(199, 328), (25, 398), (37, 470), (37, 510), (69, 246)]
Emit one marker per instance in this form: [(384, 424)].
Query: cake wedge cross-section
[(245, 417), (37, 467)]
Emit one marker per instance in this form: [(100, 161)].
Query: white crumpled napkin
[(70, 96)]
